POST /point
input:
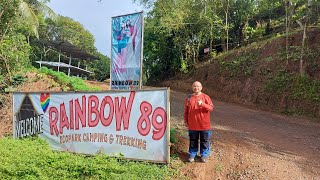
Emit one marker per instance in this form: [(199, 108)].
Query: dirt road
[(252, 144)]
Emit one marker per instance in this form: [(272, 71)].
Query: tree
[(29, 10), (226, 5), (177, 30), (101, 68), (308, 11), (8, 10), (290, 8), (14, 51), (67, 29)]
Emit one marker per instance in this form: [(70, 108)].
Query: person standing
[(197, 108)]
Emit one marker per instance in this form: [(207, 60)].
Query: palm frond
[(28, 14), (42, 8)]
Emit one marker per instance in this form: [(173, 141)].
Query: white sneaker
[(204, 159), (191, 159)]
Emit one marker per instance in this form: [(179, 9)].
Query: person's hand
[(186, 124), (199, 102)]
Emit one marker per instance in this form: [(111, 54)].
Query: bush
[(75, 83), (38, 161), (299, 87), (173, 136)]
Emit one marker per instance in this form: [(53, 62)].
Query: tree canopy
[(178, 31)]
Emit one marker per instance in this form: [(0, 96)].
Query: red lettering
[(63, 118), (159, 127), (123, 112), (93, 109), (71, 114), (53, 122), (145, 109), (106, 121), (80, 113)]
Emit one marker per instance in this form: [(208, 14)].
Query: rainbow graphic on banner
[(44, 100)]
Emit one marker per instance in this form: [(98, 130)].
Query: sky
[(95, 16)]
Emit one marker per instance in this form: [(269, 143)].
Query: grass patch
[(218, 167), (234, 175), (32, 158)]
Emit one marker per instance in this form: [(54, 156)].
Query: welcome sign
[(134, 124)]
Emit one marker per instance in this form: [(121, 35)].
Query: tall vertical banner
[(133, 124), (126, 51)]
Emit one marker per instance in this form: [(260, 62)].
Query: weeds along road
[(268, 144)]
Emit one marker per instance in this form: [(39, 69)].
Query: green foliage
[(67, 29), (30, 12), (306, 88), (18, 79), (75, 83), (20, 19), (173, 136), (281, 82), (14, 55), (174, 39), (8, 12), (15, 50), (32, 158), (240, 66), (213, 53), (248, 32), (3, 83), (298, 87), (293, 55), (177, 31), (101, 68), (184, 66)]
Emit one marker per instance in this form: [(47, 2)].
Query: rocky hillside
[(258, 75)]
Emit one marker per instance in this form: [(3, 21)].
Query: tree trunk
[(302, 67), (28, 39), (194, 56), (1, 13), (7, 66), (227, 28), (287, 34), (211, 36), (290, 9), (241, 36), (305, 29), (5, 32), (198, 46)]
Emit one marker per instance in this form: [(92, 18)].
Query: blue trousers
[(204, 137)]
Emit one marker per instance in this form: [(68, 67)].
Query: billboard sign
[(126, 51), (134, 124)]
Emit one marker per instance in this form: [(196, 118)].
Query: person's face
[(196, 87)]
